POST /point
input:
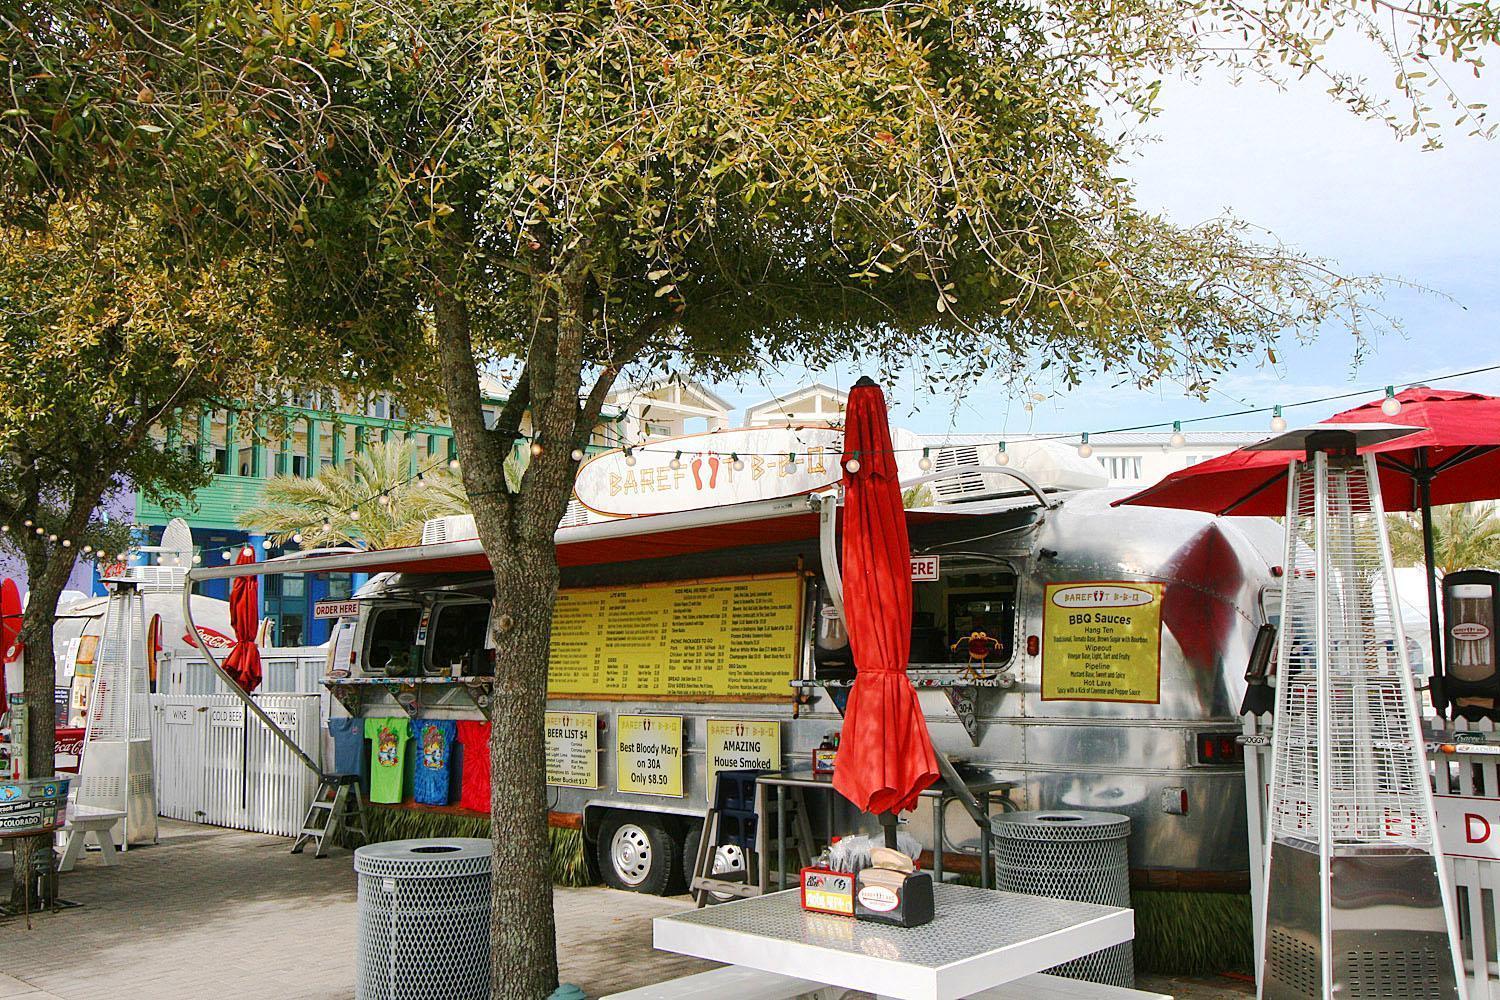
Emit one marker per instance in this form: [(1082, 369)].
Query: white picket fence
[(1471, 776), (285, 670), (214, 765)]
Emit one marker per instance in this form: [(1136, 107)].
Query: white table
[(85, 821), (979, 939)]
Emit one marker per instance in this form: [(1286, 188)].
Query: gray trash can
[(424, 920), (1070, 854)]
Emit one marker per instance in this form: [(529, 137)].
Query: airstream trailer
[(1109, 675)]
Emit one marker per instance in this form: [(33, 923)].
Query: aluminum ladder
[(341, 807)]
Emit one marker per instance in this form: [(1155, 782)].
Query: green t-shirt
[(387, 757)]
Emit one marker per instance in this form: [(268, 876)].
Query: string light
[(51, 538), (4, 529), (197, 558), (297, 537), (791, 463), (41, 531), (87, 549), (67, 543), (577, 454), (1084, 448), (453, 464), (630, 457), (735, 462), (676, 462), (227, 555), (1278, 422), (1390, 406), (1178, 439), (1004, 456), (354, 514), (925, 462), (27, 523), (853, 464), (266, 544), (124, 556)]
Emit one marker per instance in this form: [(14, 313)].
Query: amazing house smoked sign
[(1101, 641)]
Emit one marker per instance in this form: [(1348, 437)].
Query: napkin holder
[(893, 891)]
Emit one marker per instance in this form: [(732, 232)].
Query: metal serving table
[(979, 939), (981, 787)]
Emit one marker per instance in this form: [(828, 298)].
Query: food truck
[(1093, 655)]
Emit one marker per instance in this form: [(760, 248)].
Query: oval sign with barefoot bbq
[(710, 470)]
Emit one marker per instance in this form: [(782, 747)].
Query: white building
[(1130, 459), (667, 407), (815, 404)]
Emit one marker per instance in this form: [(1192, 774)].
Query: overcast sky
[(1329, 184)]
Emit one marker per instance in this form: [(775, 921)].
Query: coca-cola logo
[(211, 638)]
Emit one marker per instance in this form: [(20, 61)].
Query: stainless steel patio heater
[(1358, 904), (116, 770)]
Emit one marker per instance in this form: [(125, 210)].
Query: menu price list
[(713, 638)]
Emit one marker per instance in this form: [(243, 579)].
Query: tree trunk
[(521, 921), (46, 578)]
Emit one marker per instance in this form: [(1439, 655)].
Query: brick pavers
[(220, 914)]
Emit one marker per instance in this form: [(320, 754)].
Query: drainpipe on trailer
[(235, 689), (828, 548)]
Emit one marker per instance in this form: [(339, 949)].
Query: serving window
[(966, 616), (391, 641)]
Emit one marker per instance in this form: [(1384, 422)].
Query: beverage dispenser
[(1471, 604)]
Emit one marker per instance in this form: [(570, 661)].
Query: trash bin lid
[(437, 857), (1060, 824)]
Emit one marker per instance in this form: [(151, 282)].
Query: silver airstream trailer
[(1092, 656)]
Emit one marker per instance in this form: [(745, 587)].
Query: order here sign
[(1468, 827)]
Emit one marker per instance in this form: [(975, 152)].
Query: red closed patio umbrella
[(243, 662), (1453, 457), (10, 628), (885, 756)]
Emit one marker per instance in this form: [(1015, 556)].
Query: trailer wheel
[(727, 859), (639, 853)]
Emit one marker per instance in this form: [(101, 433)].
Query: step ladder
[(337, 805), (733, 823)]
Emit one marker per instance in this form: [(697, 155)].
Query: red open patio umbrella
[(1454, 457), (243, 662), (885, 756)]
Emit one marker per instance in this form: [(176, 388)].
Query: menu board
[(729, 638), (1101, 641), (572, 740)]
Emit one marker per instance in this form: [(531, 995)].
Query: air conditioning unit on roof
[(452, 528), (1051, 464)]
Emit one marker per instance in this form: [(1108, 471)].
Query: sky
[(1295, 163)]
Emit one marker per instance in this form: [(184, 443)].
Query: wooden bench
[(742, 983), (84, 822)]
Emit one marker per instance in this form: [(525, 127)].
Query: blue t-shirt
[(434, 753)]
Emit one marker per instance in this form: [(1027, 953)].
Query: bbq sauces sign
[(1102, 642), (648, 754)]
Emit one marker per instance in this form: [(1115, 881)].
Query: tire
[(728, 859), (639, 853)]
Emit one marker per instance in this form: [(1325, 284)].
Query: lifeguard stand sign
[(1358, 903)]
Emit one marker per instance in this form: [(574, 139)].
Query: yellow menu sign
[(710, 638), (648, 754), (1101, 641), (572, 741)]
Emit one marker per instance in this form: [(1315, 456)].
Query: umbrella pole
[(1434, 627), (888, 824)]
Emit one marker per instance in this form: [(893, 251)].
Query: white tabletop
[(978, 939)]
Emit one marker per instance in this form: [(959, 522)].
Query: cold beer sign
[(1468, 827)]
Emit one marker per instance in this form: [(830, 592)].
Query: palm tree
[(1464, 536), (392, 504)]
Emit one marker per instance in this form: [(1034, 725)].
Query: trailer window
[(458, 637), (392, 644), (968, 613)]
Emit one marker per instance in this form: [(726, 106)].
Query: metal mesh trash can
[(1069, 854), (424, 920)]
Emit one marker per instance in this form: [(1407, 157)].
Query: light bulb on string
[(385, 501), (266, 544), (41, 531), (676, 462), (227, 555), (1003, 457), (197, 559), (4, 529), (1278, 422), (791, 463), (453, 464), (925, 462), (1178, 439), (327, 524), (853, 464), (297, 537), (1390, 405), (124, 556), (51, 538), (536, 449), (577, 454), (67, 544), (735, 462), (87, 549), (1084, 448), (630, 457), (27, 523), (354, 514)]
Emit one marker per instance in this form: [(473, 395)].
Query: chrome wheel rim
[(630, 854)]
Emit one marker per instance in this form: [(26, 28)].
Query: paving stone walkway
[(220, 914)]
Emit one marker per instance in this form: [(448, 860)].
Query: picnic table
[(84, 822), (980, 941)]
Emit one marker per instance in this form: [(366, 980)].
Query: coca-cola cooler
[(1471, 605)]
